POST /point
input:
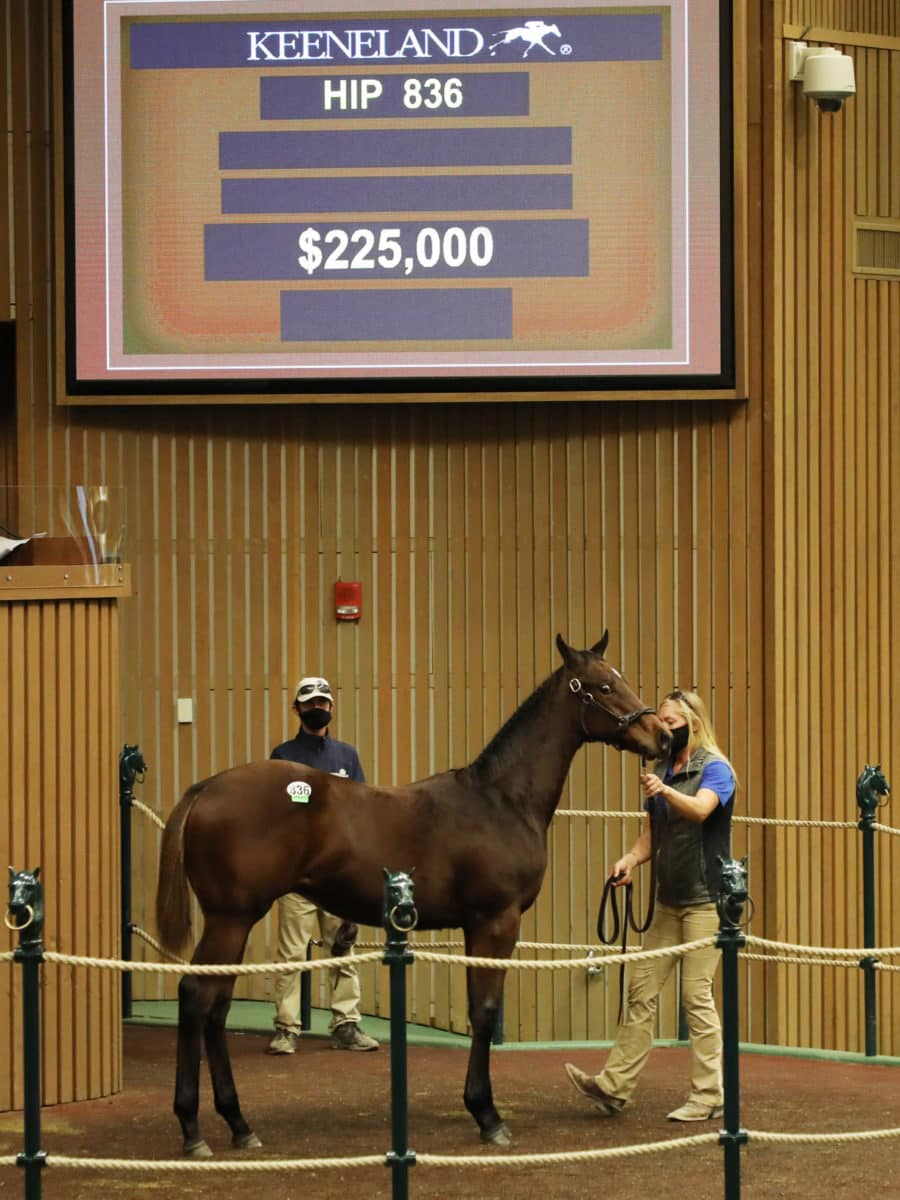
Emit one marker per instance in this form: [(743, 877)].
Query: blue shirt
[(717, 776)]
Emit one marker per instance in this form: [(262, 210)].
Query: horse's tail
[(173, 901)]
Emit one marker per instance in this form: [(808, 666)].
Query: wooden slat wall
[(479, 530), (59, 730), (475, 537), (834, 537), (879, 17)]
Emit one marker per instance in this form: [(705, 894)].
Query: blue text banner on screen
[(464, 250), (397, 193), (596, 37), (445, 314), (289, 97)]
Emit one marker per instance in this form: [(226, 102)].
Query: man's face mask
[(315, 718)]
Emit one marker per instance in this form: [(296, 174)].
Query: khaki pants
[(297, 921), (671, 927)]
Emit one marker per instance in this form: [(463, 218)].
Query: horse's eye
[(605, 689)]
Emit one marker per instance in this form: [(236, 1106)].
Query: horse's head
[(733, 890), (26, 900), (870, 785), (131, 765), (608, 710), (399, 901)]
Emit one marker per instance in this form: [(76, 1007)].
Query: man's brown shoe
[(692, 1111), (588, 1086), (349, 1036)]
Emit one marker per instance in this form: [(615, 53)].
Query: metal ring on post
[(16, 927), (403, 928)]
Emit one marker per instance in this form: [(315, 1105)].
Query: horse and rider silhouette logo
[(532, 33)]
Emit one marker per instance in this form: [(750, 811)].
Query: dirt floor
[(322, 1103)]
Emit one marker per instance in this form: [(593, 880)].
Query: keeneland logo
[(395, 42), (322, 45)]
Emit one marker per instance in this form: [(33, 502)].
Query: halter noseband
[(587, 699)]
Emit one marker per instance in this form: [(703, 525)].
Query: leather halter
[(589, 700)]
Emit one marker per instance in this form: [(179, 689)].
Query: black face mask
[(679, 739), (315, 718)]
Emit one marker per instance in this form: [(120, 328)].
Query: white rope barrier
[(596, 812), (798, 959), (763, 1137), (232, 1166), (564, 1156), (372, 1160), (741, 819), (275, 968), (148, 812), (415, 945), (784, 821), (866, 1135), (564, 964), (856, 952), (638, 813), (322, 964), (151, 941), (774, 952)]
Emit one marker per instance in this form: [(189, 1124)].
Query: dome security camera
[(826, 74)]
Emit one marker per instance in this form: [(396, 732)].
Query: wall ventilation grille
[(876, 248)]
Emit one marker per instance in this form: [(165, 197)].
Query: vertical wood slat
[(60, 666)]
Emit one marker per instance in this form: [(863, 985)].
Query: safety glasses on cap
[(308, 689)]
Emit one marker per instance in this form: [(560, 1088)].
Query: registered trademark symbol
[(566, 49)]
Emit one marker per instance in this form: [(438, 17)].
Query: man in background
[(298, 919)]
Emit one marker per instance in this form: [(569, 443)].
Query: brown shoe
[(284, 1042), (693, 1111), (588, 1086), (349, 1036)]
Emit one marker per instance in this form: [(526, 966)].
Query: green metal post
[(306, 994), (869, 786), (730, 940), (399, 918), (131, 764), (30, 953)]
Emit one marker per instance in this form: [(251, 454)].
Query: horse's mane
[(502, 746)]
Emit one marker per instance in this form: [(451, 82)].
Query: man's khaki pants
[(297, 922), (671, 927)]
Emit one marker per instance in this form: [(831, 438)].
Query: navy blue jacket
[(324, 753)]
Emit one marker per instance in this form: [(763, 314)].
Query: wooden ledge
[(75, 581)]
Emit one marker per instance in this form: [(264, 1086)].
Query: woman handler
[(689, 799)]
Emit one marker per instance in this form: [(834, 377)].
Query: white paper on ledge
[(7, 545)]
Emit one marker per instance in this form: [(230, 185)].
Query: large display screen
[(281, 197)]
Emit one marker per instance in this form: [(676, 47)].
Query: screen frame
[(725, 384)]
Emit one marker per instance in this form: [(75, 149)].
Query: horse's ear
[(387, 873), (12, 873), (565, 651), (600, 647), (36, 872)]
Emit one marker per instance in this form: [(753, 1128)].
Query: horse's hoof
[(197, 1150), (498, 1136), (247, 1141)]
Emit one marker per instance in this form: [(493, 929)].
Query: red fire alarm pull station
[(347, 601)]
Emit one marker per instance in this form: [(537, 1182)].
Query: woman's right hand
[(620, 871)]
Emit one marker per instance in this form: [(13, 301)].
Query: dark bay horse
[(476, 837)]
